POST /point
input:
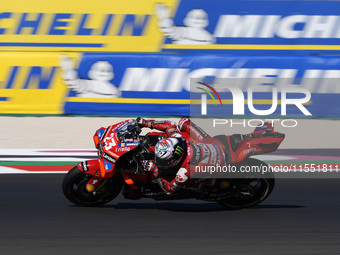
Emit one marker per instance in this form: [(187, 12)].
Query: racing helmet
[(169, 152)]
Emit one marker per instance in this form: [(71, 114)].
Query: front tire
[(74, 189), (251, 190)]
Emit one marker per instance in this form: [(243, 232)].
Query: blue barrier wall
[(160, 84), (257, 27)]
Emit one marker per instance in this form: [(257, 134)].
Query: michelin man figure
[(98, 86), (193, 32)]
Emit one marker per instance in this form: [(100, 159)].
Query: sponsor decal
[(181, 175), (193, 31), (104, 134), (218, 155), (206, 153), (200, 130), (172, 79), (250, 149), (194, 133), (127, 144), (122, 149), (151, 26), (213, 154), (197, 152), (250, 25), (197, 132), (90, 187), (85, 166), (123, 127), (98, 86), (159, 122), (33, 84), (30, 83), (97, 173), (105, 27), (109, 141), (189, 152), (100, 133), (179, 150), (109, 158), (108, 166)]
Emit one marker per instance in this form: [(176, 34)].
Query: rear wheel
[(74, 189), (251, 190)]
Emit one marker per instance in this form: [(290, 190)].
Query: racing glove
[(149, 166), (143, 122)]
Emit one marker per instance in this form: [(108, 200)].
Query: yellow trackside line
[(129, 100), (252, 47), (164, 101), (230, 101)]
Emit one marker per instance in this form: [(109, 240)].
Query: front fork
[(92, 167), (95, 184)]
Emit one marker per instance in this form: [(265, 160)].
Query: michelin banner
[(200, 26), (167, 84)]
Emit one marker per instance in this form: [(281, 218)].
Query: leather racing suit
[(202, 150)]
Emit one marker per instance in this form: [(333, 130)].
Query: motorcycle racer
[(181, 163), (184, 148)]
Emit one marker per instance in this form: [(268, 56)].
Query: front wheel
[(74, 189), (251, 190)]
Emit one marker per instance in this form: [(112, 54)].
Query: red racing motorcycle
[(121, 149)]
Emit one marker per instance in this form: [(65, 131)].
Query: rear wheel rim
[(258, 192)]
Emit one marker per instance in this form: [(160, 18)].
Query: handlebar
[(141, 153), (132, 132)]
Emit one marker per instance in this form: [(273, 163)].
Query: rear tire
[(74, 189), (258, 184)]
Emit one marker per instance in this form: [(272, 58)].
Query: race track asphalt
[(302, 216)]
